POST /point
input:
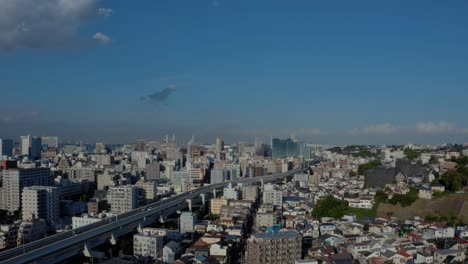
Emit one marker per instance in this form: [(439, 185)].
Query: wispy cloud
[(309, 132), (102, 38), (436, 128), (45, 24), (105, 12), (19, 117), (159, 98), (379, 129)]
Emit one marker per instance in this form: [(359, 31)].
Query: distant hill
[(450, 204)]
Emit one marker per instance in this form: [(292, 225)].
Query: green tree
[(330, 207), (452, 180), (411, 154), (367, 166)]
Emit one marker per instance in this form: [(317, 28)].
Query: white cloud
[(435, 128), (46, 24), (309, 132), (379, 129), (101, 38), (105, 11)]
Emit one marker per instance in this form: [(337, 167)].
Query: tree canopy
[(330, 207), (368, 166)]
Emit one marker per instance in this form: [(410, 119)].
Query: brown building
[(283, 247), (96, 206)]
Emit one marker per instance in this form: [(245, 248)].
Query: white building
[(169, 234), (14, 180), (273, 197), (139, 159), (148, 245), (31, 146), (187, 222), (231, 193), (122, 198), (41, 202), (79, 221)]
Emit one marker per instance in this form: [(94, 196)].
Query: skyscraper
[(31, 146), (219, 145), (282, 148), (41, 202), (6, 148)]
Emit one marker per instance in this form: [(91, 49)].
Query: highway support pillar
[(140, 228), (114, 238), (189, 202), (203, 198), (88, 252), (214, 193)]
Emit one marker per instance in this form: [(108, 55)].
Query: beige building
[(216, 205), (250, 193), (147, 190)]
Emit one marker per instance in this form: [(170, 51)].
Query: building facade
[(14, 180), (148, 245), (187, 222), (122, 198), (41, 202), (282, 247)]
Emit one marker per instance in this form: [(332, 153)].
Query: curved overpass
[(75, 240)]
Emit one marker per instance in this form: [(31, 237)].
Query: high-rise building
[(282, 148), (100, 148), (50, 142), (180, 178), (222, 175), (282, 247), (41, 202), (31, 146), (219, 145), (14, 180), (187, 222), (6, 148), (26, 142), (122, 198), (152, 171), (140, 145)]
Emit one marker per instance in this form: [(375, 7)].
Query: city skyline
[(360, 73)]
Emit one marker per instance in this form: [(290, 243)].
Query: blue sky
[(369, 72)]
